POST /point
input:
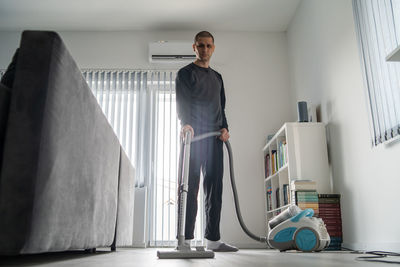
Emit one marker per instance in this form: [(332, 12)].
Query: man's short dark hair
[(203, 34)]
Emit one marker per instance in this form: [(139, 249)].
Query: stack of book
[(278, 159), (329, 212), (304, 194)]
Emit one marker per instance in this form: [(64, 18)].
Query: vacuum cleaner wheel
[(306, 239)]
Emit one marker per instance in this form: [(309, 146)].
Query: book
[(286, 195), (335, 233), (302, 185), (329, 205), (329, 195), (329, 200), (332, 221), (269, 198), (323, 213), (278, 157), (305, 181), (336, 239), (273, 162), (307, 199), (299, 201), (278, 203), (267, 168), (303, 205), (336, 243), (306, 196), (282, 153), (333, 248), (331, 210), (333, 228)]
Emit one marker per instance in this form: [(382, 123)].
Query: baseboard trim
[(138, 245)]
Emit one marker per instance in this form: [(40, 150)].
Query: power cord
[(377, 256)]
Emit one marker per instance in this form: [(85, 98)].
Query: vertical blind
[(117, 95), (141, 108), (378, 33)]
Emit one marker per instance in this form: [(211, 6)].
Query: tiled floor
[(148, 258)]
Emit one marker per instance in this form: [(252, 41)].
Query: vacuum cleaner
[(183, 250), (301, 231), (292, 229)]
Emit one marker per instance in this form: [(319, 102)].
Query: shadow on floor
[(47, 258)]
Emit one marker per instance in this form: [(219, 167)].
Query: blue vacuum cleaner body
[(300, 232)]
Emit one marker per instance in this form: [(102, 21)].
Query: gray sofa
[(65, 181)]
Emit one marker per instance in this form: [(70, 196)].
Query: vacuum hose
[(235, 194)]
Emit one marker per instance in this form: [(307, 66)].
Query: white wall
[(255, 71), (325, 70)]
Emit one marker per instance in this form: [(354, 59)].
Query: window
[(141, 108), (378, 33)]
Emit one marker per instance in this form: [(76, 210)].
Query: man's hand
[(224, 135), (186, 128)]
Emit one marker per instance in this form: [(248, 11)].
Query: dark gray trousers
[(206, 156)]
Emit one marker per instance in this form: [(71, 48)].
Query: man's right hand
[(186, 128)]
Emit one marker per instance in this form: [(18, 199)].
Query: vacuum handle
[(203, 136), (184, 187), (184, 180)]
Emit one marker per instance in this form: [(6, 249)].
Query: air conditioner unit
[(171, 52)]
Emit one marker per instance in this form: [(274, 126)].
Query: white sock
[(187, 242)]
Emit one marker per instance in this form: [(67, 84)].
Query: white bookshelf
[(304, 157)]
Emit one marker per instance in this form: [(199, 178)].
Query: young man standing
[(201, 108)]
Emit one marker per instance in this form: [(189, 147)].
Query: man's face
[(204, 48)]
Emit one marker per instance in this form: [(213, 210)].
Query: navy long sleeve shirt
[(200, 97)]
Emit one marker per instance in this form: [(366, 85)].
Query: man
[(201, 108)]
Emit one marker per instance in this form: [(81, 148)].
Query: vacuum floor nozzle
[(198, 253)]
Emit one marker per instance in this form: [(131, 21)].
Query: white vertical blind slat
[(131, 114), (157, 166), (101, 88), (107, 92), (169, 156), (113, 94), (125, 106), (163, 161)]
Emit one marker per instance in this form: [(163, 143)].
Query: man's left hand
[(224, 135)]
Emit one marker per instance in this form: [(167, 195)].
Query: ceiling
[(119, 15)]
